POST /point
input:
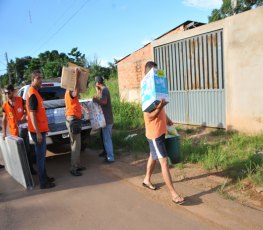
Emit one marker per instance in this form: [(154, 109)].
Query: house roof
[(188, 25)]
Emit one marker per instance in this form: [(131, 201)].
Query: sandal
[(149, 186), (178, 200)]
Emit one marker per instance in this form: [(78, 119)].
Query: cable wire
[(59, 29)]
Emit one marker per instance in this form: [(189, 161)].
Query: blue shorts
[(157, 147)]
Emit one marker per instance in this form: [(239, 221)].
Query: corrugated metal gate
[(195, 70)]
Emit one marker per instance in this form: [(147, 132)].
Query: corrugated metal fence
[(195, 70)]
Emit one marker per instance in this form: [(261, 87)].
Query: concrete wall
[(243, 67), (244, 71)]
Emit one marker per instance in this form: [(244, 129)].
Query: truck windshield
[(52, 93)]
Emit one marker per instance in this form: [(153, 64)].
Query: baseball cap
[(9, 88), (99, 79)]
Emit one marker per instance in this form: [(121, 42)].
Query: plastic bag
[(171, 130), (96, 116)]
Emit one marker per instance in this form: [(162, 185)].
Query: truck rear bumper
[(60, 136)]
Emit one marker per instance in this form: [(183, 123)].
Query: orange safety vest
[(14, 114), (73, 107), (41, 116)]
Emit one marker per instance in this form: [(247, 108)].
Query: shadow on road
[(58, 164), (97, 172)]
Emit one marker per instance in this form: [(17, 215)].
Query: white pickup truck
[(53, 97)]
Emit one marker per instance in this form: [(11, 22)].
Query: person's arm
[(101, 100), (98, 90), (152, 115), (23, 118), (33, 106), (4, 124), (35, 125), (75, 92), (169, 121)]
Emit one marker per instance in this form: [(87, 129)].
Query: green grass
[(124, 142), (127, 116), (234, 155)]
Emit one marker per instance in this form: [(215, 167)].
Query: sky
[(101, 29)]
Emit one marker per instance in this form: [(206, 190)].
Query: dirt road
[(107, 197)]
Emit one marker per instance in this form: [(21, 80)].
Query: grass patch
[(235, 155), (191, 151), (130, 142), (127, 116), (123, 141), (180, 166)]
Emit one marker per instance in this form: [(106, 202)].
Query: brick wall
[(131, 70)]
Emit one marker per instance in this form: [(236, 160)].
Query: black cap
[(99, 79), (9, 88)]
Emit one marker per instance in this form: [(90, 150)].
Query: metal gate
[(195, 70)]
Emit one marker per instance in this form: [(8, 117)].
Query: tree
[(4, 79), (21, 65), (33, 65), (52, 63), (11, 71), (113, 69), (227, 9), (95, 69), (77, 57)]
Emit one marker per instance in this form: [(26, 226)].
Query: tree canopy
[(230, 7), (51, 63)]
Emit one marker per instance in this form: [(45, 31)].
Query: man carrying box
[(73, 123), (155, 127)]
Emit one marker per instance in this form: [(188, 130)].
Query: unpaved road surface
[(105, 197)]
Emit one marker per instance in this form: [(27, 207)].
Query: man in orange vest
[(14, 113), (73, 123), (38, 127)]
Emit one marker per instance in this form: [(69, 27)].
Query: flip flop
[(178, 202), (149, 186)]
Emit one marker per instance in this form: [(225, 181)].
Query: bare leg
[(149, 170), (168, 180)]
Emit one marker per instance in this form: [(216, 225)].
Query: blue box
[(154, 87)]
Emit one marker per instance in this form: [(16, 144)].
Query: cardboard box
[(154, 87), (68, 77)]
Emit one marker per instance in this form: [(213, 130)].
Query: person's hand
[(77, 71), (169, 122), (23, 118), (39, 137), (161, 104), (95, 99), (98, 90)]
